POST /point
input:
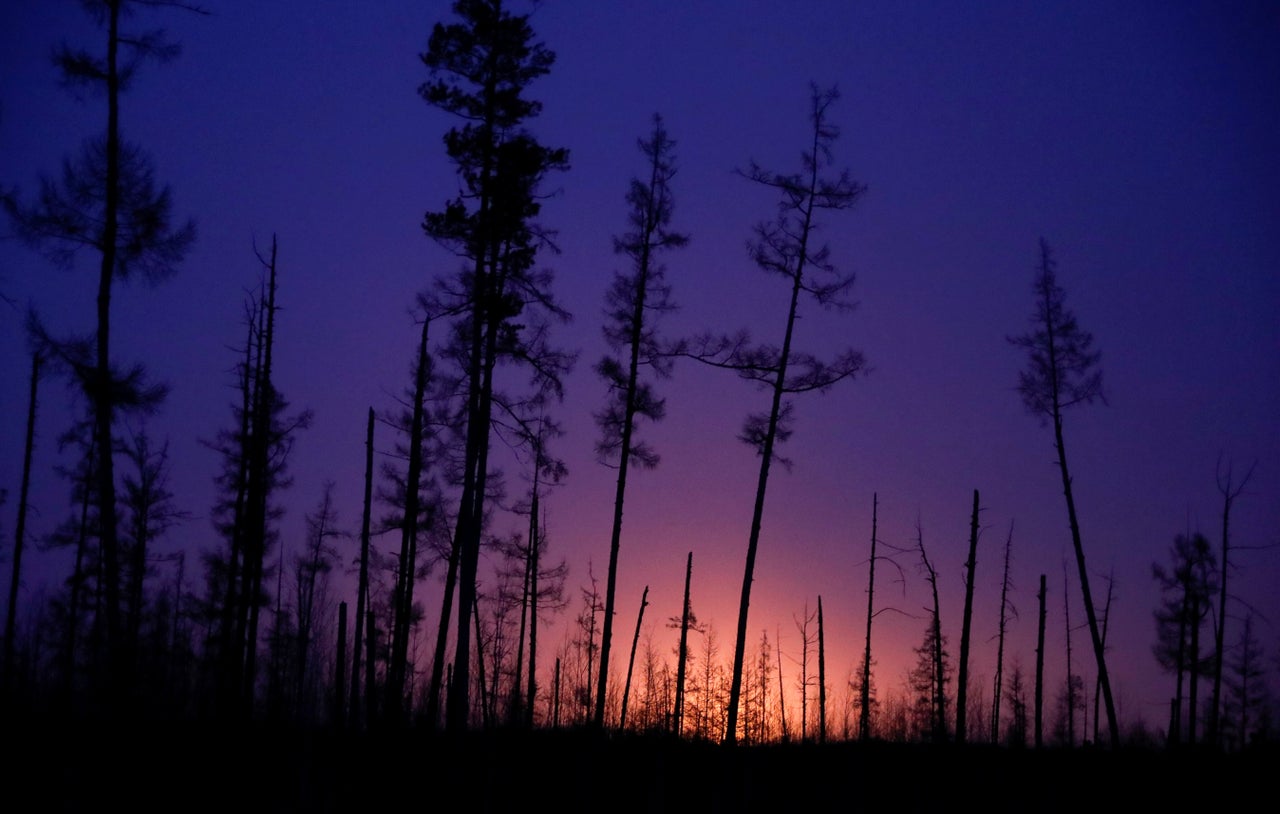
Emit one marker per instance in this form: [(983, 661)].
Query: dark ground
[(176, 768)]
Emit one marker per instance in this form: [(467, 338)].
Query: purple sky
[(1140, 140)]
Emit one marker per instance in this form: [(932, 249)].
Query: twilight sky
[(1141, 140)]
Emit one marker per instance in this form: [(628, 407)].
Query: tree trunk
[(822, 679), (864, 692), (1040, 668), (682, 655), (631, 662), (1094, 631), (1004, 623), (393, 710), (340, 670), (20, 536), (962, 679), (362, 585)]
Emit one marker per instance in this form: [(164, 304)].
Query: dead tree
[(822, 679), (20, 535), (362, 580), (1039, 724), (1229, 491), (962, 679), (938, 703), (682, 656), (1007, 611), (631, 662)]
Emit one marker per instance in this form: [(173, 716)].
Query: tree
[(962, 681), (416, 513), (806, 627), (1062, 372), (1187, 587), (633, 304), (149, 511), (631, 662), (19, 537), (255, 457), (1016, 694), (1230, 490), (1007, 612), (933, 685), (311, 585), (480, 68), (1247, 693), (786, 246), (362, 578), (1039, 692), (107, 201)]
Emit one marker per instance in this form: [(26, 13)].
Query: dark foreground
[(173, 768)]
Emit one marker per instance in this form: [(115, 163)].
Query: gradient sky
[(1142, 140)]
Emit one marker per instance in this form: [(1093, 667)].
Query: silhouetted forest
[(312, 674)]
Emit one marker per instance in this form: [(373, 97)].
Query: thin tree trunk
[(1106, 621), (1004, 624), (532, 696), (962, 679), (362, 585), (20, 536), (370, 673), (102, 398), (682, 655), (782, 694), (864, 692), (1229, 493), (1040, 668), (631, 662), (1071, 687), (822, 679), (1094, 632), (340, 670), (393, 709)]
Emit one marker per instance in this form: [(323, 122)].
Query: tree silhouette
[(1187, 585), (480, 67), (787, 247), (1007, 612), (962, 679), (633, 304), (1062, 372), (107, 201), (20, 535), (1230, 490)]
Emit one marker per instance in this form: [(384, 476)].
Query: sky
[(1140, 140)]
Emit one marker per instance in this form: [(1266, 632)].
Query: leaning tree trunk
[(864, 692), (631, 662), (21, 535), (1095, 633), (962, 680)]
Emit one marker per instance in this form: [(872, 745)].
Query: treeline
[(259, 627)]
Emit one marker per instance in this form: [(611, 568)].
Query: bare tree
[(1187, 586), (1007, 612), (20, 536), (1039, 694), (1062, 372), (1230, 490), (808, 641), (787, 247), (934, 648), (962, 679), (631, 662)]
